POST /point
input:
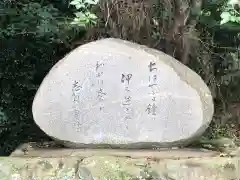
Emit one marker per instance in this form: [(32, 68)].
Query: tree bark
[(179, 37)]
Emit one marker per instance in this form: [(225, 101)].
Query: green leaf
[(78, 23), (79, 14), (233, 19), (92, 16), (45, 14), (35, 5), (225, 17), (233, 2), (79, 6), (238, 19), (75, 2), (92, 2), (223, 21)]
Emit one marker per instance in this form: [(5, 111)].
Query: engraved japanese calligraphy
[(76, 95), (152, 107), (125, 80), (101, 94), (76, 91)]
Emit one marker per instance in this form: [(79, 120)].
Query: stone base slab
[(50, 149), (31, 161)]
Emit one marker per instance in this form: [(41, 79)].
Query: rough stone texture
[(51, 151), (46, 161), (100, 94), (105, 167)]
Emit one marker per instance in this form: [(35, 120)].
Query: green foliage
[(30, 18), (3, 120), (220, 20), (38, 20), (221, 13), (34, 35), (83, 15), (231, 12)]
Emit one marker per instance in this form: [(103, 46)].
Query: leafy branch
[(84, 16), (231, 12)]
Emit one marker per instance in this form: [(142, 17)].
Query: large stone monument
[(116, 92)]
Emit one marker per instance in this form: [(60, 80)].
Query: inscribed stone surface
[(116, 92)]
